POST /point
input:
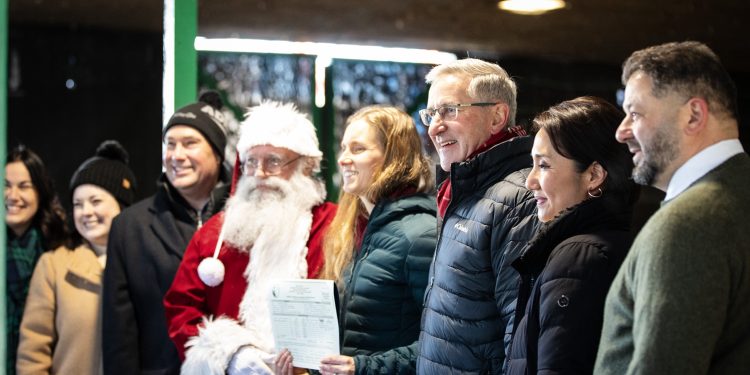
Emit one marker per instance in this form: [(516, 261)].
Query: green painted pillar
[(186, 58), (3, 151), (180, 81)]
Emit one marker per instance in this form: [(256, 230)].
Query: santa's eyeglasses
[(272, 165)]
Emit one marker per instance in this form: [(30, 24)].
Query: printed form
[(304, 320)]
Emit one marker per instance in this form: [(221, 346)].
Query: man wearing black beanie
[(147, 240)]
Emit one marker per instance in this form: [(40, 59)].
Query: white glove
[(248, 360)]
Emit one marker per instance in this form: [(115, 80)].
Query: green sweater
[(680, 304)]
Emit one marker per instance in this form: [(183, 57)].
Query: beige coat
[(61, 327)]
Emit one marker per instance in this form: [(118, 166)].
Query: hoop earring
[(598, 194)]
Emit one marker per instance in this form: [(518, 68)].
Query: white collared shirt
[(700, 164)]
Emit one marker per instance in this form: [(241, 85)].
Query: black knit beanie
[(204, 116), (109, 170)]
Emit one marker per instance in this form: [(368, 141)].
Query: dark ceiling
[(587, 30)]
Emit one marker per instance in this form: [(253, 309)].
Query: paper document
[(304, 320)]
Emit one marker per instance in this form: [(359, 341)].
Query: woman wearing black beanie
[(61, 327)]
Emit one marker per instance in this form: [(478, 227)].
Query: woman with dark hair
[(580, 180), (35, 222), (61, 328), (380, 243)]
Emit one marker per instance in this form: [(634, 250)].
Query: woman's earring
[(597, 193)]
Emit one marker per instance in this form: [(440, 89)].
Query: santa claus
[(271, 228)]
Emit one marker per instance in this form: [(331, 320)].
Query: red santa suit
[(189, 300), (210, 324)]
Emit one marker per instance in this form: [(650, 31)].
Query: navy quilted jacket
[(470, 299)]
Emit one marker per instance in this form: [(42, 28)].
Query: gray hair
[(489, 82)]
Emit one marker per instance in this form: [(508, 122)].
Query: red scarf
[(444, 193)]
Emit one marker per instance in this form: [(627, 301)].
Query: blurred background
[(82, 71)]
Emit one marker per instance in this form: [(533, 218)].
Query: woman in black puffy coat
[(380, 243), (580, 180)]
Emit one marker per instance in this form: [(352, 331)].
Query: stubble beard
[(657, 155)]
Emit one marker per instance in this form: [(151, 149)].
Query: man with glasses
[(272, 228), (486, 216)]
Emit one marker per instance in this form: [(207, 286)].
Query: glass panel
[(246, 79), (357, 84)]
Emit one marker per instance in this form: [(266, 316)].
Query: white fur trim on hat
[(279, 125)]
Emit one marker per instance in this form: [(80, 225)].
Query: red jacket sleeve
[(185, 302), (322, 216)]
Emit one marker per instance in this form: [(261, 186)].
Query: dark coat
[(566, 271), (145, 247), (469, 303), (382, 298)]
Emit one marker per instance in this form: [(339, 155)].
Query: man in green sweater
[(680, 304)]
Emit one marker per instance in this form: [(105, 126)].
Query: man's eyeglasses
[(447, 112), (272, 165)]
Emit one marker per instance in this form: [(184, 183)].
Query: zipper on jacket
[(365, 251), (428, 290), (361, 256), (348, 293)]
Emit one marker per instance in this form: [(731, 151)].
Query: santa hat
[(279, 125), (270, 123)]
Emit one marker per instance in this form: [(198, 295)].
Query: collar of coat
[(609, 212)]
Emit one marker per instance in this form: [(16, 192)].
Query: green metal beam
[(180, 80), (186, 58), (3, 151)]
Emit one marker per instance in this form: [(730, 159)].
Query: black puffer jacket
[(566, 271), (469, 303), (382, 299)]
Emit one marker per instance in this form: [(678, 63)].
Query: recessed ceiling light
[(530, 7)]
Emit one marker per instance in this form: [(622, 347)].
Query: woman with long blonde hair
[(381, 242)]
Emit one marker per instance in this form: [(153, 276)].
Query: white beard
[(272, 223), (253, 214)]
